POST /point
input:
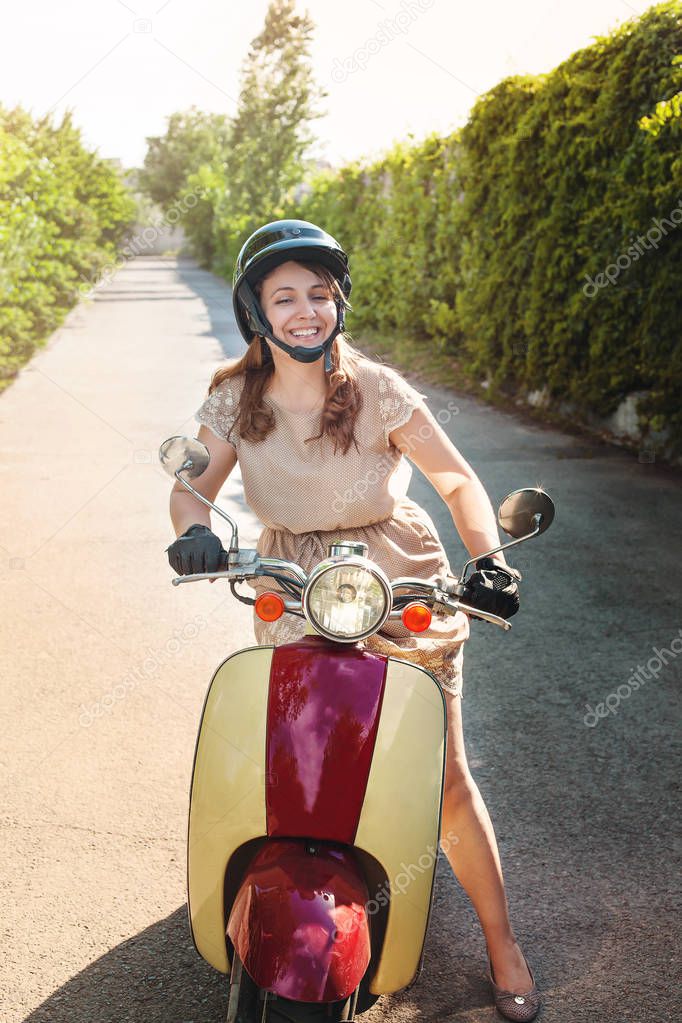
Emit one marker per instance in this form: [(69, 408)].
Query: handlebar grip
[(486, 616)]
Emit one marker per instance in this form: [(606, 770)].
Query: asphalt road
[(105, 665)]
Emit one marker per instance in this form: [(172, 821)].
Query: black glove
[(493, 588), (197, 550)]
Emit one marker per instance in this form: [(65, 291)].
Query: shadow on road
[(158, 977), (217, 296), (155, 976)]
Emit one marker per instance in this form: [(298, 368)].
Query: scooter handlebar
[(251, 568)]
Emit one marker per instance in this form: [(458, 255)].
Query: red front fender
[(299, 923)]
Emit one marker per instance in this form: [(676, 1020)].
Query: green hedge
[(63, 215), (561, 179), (485, 243)]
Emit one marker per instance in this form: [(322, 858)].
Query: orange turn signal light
[(416, 617), (269, 607)]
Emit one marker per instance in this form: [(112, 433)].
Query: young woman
[(319, 432)]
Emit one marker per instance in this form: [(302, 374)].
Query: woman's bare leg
[(468, 840)]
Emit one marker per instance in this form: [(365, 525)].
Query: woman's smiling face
[(298, 305)]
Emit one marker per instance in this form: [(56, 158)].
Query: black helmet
[(277, 243)]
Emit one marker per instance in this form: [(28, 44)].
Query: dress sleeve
[(397, 400), (220, 410)]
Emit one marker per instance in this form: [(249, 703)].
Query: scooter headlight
[(347, 599)]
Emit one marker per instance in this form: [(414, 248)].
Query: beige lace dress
[(306, 496)]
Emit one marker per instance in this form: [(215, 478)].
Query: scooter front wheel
[(243, 1004), (247, 1003), (282, 1010)]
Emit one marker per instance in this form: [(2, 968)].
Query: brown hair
[(343, 399)]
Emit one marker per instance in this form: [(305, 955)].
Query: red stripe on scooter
[(323, 714)]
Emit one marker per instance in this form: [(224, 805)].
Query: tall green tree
[(278, 101), (193, 138)]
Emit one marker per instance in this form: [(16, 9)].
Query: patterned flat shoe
[(522, 1007)]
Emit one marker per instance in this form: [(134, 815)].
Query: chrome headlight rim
[(328, 565)]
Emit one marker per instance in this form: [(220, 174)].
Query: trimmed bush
[(63, 214)]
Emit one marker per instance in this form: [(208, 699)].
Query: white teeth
[(305, 333)]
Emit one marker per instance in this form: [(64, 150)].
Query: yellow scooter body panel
[(227, 802), (400, 819)]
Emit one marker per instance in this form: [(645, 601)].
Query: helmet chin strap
[(303, 354)]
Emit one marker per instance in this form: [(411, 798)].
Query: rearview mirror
[(524, 511), (184, 454)]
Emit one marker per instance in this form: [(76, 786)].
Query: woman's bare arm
[(185, 510), (426, 444)]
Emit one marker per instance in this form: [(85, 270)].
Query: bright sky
[(390, 67)]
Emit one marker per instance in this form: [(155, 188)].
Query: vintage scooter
[(315, 802)]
